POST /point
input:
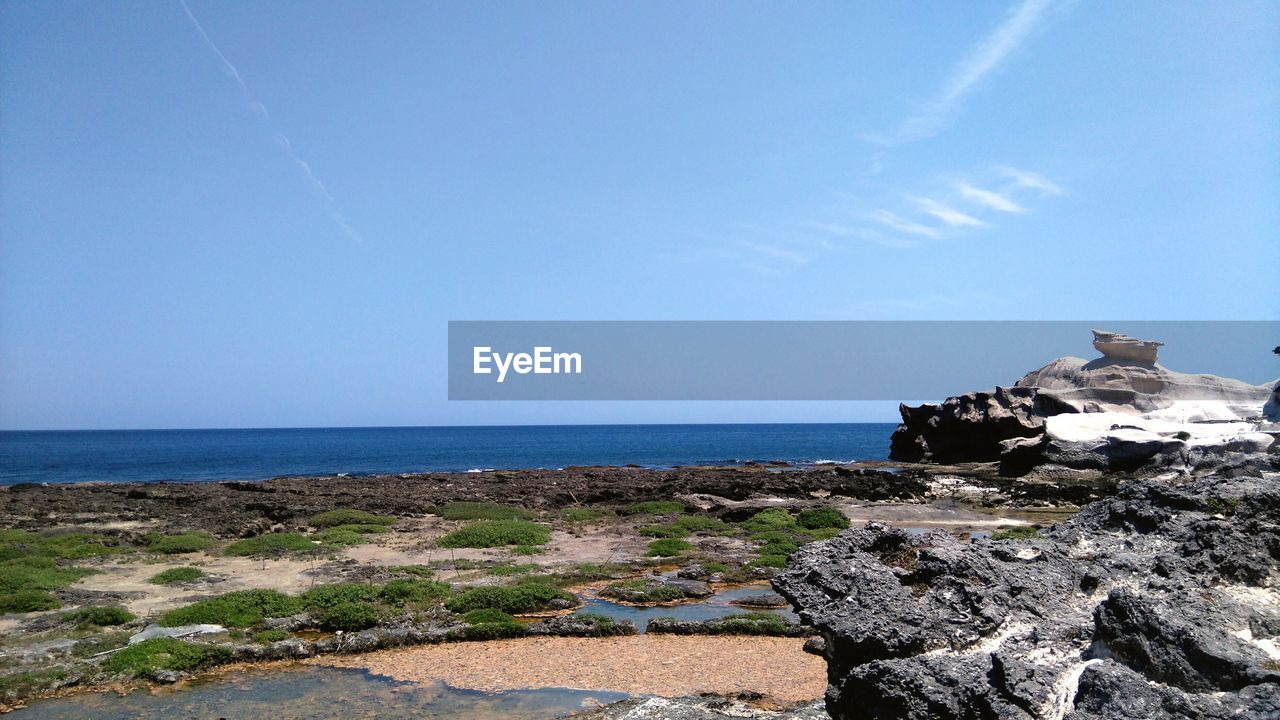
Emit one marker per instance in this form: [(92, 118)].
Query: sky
[(220, 214)]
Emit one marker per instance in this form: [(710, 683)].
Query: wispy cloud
[(260, 110), (988, 198), (985, 57), (903, 225), (946, 213), (1034, 181), (861, 233)]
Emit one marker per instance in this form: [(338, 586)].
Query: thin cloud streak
[(984, 58), (259, 109), (1034, 181), (988, 198), (947, 214), (903, 225)]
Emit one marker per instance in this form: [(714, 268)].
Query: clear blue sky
[(264, 214)]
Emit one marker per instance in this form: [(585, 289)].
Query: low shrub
[(751, 623), (238, 609), (327, 596), (410, 592), (463, 510), (278, 543), (1021, 532), (823, 533), (668, 547), (104, 616), (715, 567), (349, 516), (25, 601), (524, 598), (496, 533), (487, 615), (348, 617), (54, 544), (175, 576), (770, 519), (527, 550), (654, 507), (776, 542), (421, 571), (164, 654), (37, 573), (340, 537), (180, 543), (266, 637), (822, 517), (769, 561)]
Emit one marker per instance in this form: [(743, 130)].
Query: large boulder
[(1161, 602)]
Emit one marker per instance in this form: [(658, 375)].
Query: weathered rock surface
[(701, 708), (1121, 412), (1162, 602)]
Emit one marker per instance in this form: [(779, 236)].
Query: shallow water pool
[(716, 606), (293, 693)]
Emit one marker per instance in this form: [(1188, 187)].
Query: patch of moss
[(103, 616), (349, 516), (180, 543), (668, 547), (654, 507), (25, 601), (164, 654), (525, 598), (822, 517), (463, 510), (1222, 505), (641, 591), (266, 637), (496, 533), (271, 544), (770, 519), (238, 609), (175, 576), (348, 617), (413, 592), (1021, 532)]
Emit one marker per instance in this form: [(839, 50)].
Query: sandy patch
[(664, 665)]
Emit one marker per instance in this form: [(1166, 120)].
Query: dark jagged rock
[(1175, 586), (970, 427)]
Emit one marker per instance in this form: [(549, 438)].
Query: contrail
[(257, 108)]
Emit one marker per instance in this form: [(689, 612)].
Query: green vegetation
[(413, 592), (25, 684), (175, 576), (15, 544), (278, 543), (823, 533), (526, 550), (770, 519), (490, 624), (668, 547), (523, 598), (238, 609), (776, 542), (1222, 506), (103, 616), (269, 636), (1021, 532), (164, 654), (655, 507), (327, 596), (179, 543), (641, 591), (496, 533), (586, 514), (341, 537), (348, 616), (822, 517), (25, 601), (750, 623), (99, 643), (715, 567), (480, 511), (769, 561), (348, 516)]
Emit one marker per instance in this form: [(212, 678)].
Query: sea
[(258, 454)]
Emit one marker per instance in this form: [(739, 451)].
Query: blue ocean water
[(149, 455)]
